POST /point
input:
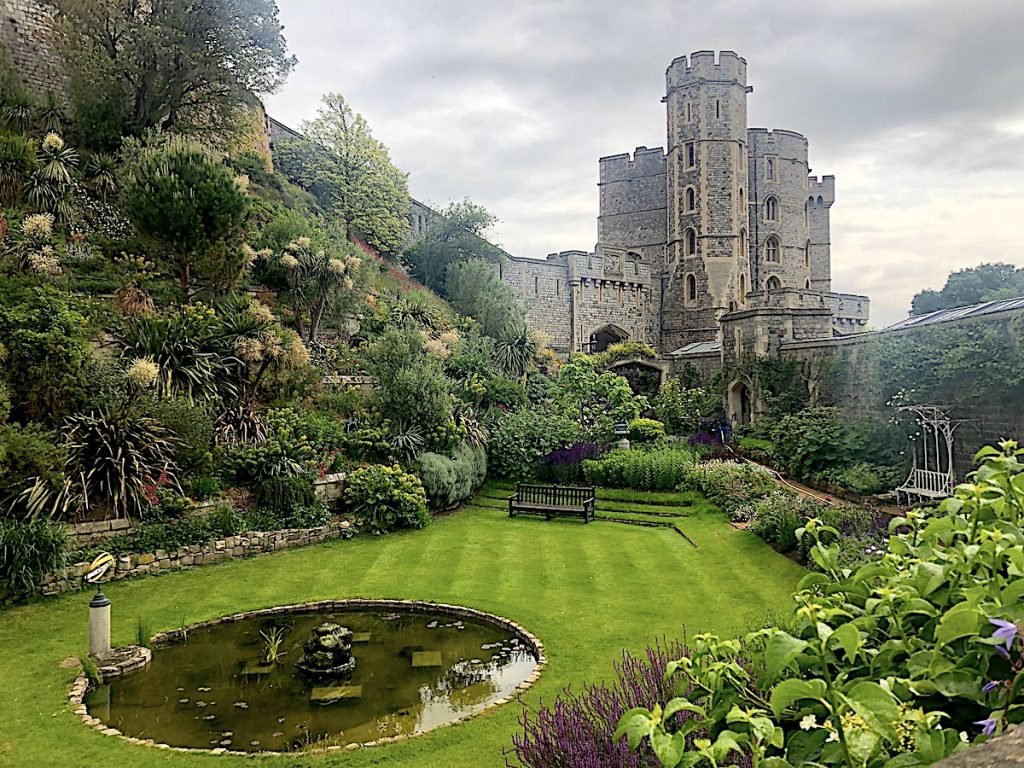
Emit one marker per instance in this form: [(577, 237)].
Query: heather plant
[(899, 662), (575, 731)]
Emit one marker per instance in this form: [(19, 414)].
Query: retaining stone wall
[(244, 545)]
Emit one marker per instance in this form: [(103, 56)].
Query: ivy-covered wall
[(973, 367)]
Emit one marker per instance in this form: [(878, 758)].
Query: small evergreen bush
[(651, 470), (29, 550), (449, 480), (646, 431)]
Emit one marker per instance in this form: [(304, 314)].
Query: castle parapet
[(643, 162), (824, 188), (702, 65)]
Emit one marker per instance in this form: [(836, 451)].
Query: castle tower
[(706, 271), (780, 244), (821, 195)]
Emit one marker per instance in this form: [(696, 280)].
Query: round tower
[(706, 264)]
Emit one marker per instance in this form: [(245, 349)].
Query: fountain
[(328, 652)]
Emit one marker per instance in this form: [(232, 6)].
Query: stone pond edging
[(135, 657), (69, 579)]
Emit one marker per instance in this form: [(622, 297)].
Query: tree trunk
[(299, 325), (315, 316)]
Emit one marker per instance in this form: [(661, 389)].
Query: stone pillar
[(99, 626)]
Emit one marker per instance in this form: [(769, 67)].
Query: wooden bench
[(553, 501)]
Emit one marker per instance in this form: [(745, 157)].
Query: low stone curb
[(134, 657), (244, 545)]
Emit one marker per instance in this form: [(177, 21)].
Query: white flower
[(38, 225), (833, 736), (347, 283), (302, 243), (53, 143), (807, 722), (248, 254), (289, 262), (963, 737), (337, 266), (45, 264), (265, 253), (248, 350), (143, 372), (242, 182), (260, 312)]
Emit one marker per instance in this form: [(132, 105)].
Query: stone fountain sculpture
[(328, 652)]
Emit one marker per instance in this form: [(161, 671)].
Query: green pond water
[(414, 671)]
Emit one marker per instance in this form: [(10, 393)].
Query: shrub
[(646, 431), (777, 517), (449, 480), (520, 440), (285, 452), (810, 441), (387, 498), (864, 478), (728, 484), (17, 159), (113, 455), (30, 549), (643, 470), (27, 453), (278, 495), (504, 393), (681, 409), (192, 426), (598, 401)]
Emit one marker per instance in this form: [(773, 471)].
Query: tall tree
[(973, 285), (456, 235), (351, 173), (177, 63), (474, 289)]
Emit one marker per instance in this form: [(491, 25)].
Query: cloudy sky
[(916, 106)]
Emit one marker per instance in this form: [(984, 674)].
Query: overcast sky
[(916, 106)]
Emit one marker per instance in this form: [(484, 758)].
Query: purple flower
[(1002, 652), (1007, 631), (988, 727), (991, 685)]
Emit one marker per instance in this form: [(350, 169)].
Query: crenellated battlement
[(643, 162), (703, 65), (825, 188)]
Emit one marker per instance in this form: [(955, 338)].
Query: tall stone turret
[(821, 195), (706, 271)]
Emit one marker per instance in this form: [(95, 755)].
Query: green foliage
[(520, 440), (350, 172), (865, 478), (598, 401), (658, 469), (475, 289), (27, 454), (473, 356), (624, 350), (973, 285), (809, 441), (113, 456), (457, 234), (646, 431), (730, 485), (515, 349), (47, 344), (177, 65), (278, 495), (286, 452), (449, 480), (179, 195), (681, 409), (386, 498), (886, 662), (504, 393), (193, 428), (411, 389), (30, 549), (17, 160)]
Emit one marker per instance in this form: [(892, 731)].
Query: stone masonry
[(26, 37), (716, 224)]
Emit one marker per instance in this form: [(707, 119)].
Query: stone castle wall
[(820, 196), (633, 201), (26, 34)]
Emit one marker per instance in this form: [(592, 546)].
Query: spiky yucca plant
[(114, 456)]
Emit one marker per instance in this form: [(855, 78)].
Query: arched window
[(771, 249), (536, 286), (691, 199), (689, 111), (691, 155), (807, 253), (807, 284), (743, 243), (743, 289), (769, 169), (773, 283), (771, 209), (691, 288), (743, 203), (691, 242), (807, 215), (821, 201)]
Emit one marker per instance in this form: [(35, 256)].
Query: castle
[(725, 227)]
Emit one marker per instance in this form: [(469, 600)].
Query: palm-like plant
[(114, 455), (17, 115), (187, 348), (16, 164), (514, 351), (409, 312), (50, 117), (101, 175), (405, 440)]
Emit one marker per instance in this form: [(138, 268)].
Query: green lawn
[(586, 591)]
